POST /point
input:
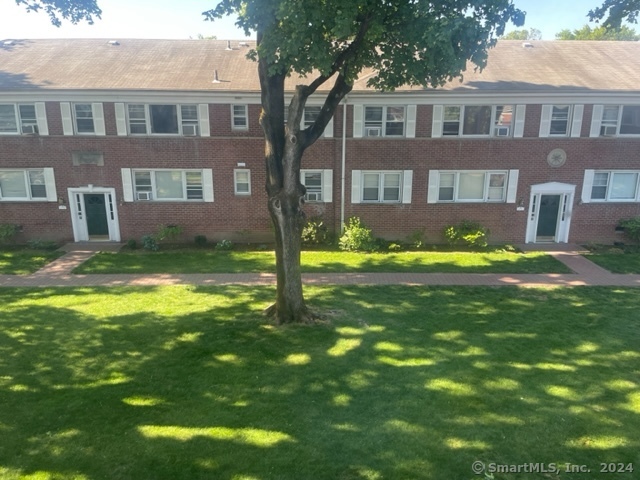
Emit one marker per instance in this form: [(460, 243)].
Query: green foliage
[(149, 243), (631, 228), (200, 240), (357, 237), (168, 232), (315, 232), (224, 245), (74, 11), (417, 239), (132, 244), (614, 12), (467, 233), (8, 231), (394, 247), (600, 33), (38, 244), (524, 34)]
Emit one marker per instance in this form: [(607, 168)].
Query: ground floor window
[(25, 184), (615, 186), (167, 185)]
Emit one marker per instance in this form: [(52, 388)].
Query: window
[(23, 185), (312, 180), (384, 121), (478, 120), (560, 115), (310, 115), (168, 185), (242, 182), (620, 120), (239, 117), (615, 186), (83, 113), (381, 187), (472, 186), (19, 118), (163, 119)]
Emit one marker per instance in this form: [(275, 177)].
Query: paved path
[(57, 273)]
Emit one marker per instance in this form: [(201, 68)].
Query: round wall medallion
[(557, 157)]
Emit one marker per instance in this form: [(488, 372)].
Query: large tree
[(524, 34), (614, 12), (326, 44), (599, 33)]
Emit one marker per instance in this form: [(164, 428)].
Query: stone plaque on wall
[(88, 158)]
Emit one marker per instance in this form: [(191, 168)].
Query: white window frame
[(320, 194), (244, 116), (383, 123), (616, 125), (74, 112), (48, 182), (153, 186), (494, 127), (569, 120), (236, 183), (487, 180), (382, 174), (20, 122), (609, 190), (181, 122)]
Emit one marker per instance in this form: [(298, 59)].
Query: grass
[(617, 262), (401, 383), (206, 261), (14, 261)]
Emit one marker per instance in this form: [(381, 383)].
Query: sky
[(183, 19)]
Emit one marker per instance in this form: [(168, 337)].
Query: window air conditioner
[(373, 132), (502, 131), (144, 195), (29, 129), (314, 197), (189, 130), (608, 130)]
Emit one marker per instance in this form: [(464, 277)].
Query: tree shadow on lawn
[(404, 382)]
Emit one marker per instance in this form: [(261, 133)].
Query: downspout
[(344, 158)]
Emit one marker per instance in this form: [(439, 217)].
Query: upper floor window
[(472, 186), (478, 120), (242, 181), (384, 121), (560, 120), (20, 118), (83, 117), (175, 185), (156, 119), (615, 186), (620, 120), (24, 184), (239, 117)]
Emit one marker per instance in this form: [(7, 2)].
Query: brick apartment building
[(106, 140)]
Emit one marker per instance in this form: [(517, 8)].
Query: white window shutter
[(355, 185), (327, 186), (596, 121), (411, 121), (127, 186), (50, 185), (41, 118), (207, 184), (121, 120), (545, 121), (203, 114), (67, 121), (518, 126), (576, 123), (328, 130), (358, 114), (512, 186), (587, 184), (434, 181), (407, 185), (436, 121), (98, 119)]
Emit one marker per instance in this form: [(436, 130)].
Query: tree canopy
[(614, 12), (74, 11), (523, 34), (599, 33)]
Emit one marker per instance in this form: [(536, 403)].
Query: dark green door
[(548, 216), (95, 208)]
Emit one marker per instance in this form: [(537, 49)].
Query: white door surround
[(566, 192), (79, 217)]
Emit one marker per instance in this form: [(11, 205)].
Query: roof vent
[(7, 42), (228, 45), (113, 43), (215, 77), (243, 44), (527, 45)]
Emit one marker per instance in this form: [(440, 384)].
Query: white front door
[(550, 209), (94, 214)]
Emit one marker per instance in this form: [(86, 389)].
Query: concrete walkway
[(58, 274)]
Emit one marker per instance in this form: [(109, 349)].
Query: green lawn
[(400, 383), (24, 261), (206, 261), (617, 263)]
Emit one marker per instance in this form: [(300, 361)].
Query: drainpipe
[(344, 158)]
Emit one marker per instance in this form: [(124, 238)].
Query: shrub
[(224, 245), (200, 240), (357, 237), (315, 232), (38, 244), (394, 247), (149, 243), (631, 228), (8, 231), (168, 232), (466, 233), (132, 244), (417, 239)]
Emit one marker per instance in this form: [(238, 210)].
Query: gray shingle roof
[(189, 65)]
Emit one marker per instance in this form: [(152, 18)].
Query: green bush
[(132, 244), (357, 237), (315, 232), (38, 244), (200, 240), (417, 239), (168, 232), (224, 245), (631, 228), (394, 247), (8, 231), (467, 233), (149, 243)]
